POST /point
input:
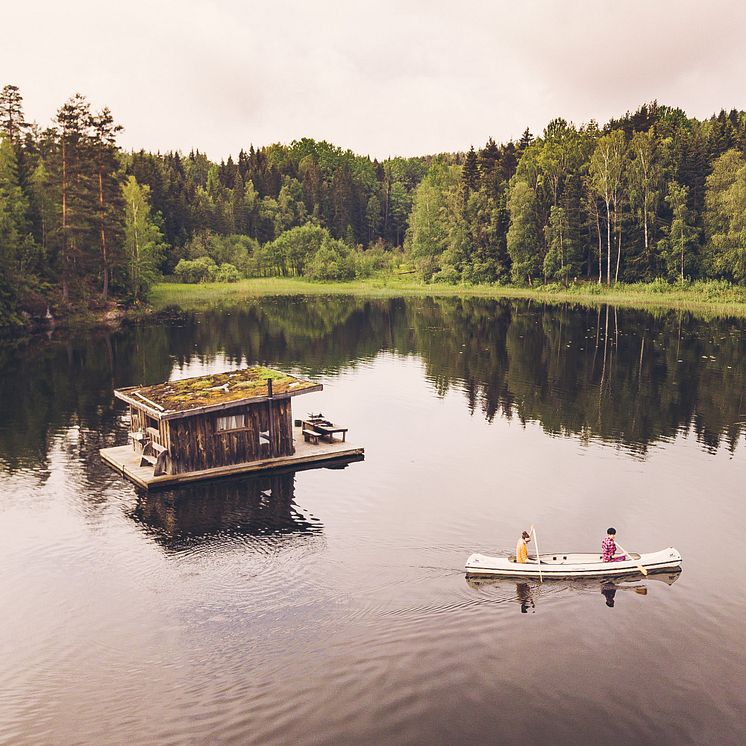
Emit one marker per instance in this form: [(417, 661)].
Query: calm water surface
[(330, 606)]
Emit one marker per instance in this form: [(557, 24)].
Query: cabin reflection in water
[(528, 594), (260, 505)]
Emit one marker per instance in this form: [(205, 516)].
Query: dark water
[(330, 606)]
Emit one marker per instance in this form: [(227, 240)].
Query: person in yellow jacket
[(521, 548)]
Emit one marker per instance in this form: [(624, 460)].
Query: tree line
[(655, 194)]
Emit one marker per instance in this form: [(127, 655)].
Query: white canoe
[(560, 565)]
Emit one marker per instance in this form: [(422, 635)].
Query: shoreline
[(705, 300), (696, 299)]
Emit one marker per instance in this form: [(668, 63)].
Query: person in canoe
[(521, 548), (608, 548)]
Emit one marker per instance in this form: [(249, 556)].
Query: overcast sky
[(383, 78)]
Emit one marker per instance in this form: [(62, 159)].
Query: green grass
[(706, 298)]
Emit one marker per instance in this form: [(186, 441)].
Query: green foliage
[(435, 213), (191, 271), (448, 276), (677, 248), (725, 217), (238, 250), (290, 251), (204, 269), (334, 260), (143, 241), (576, 201), (557, 262), (13, 239), (523, 237)]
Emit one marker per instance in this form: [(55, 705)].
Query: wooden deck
[(124, 460)]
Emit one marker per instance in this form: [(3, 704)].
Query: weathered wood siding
[(195, 442)]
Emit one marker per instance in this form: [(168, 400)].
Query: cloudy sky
[(382, 77)]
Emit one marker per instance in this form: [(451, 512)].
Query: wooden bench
[(139, 439), (156, 451), (312, 435)]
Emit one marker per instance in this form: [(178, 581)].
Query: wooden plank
[(126, 461)]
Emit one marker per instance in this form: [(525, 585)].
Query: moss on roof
[(219, 388)]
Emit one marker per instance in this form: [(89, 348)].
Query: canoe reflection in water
[(225, 509), (527, 594)]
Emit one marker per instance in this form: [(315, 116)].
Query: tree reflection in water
[(616, 375)]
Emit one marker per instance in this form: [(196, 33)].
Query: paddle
[(538, 556), (639, 566)]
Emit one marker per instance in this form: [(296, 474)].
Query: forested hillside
[(654, 194)]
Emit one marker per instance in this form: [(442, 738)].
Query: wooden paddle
[(538, 556), (639, 566)]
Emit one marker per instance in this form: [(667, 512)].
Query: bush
[(226, 273), (447, 275), (236, 250), (334, 260), (196, 270), (292, 250)]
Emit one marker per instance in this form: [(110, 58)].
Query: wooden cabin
[(218, 424)]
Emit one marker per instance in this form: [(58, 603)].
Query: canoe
[(561, 565)]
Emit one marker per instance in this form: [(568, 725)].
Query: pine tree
[(13, 207), (73, 177), (470, 175), (104, 148), (12, 121), (526, 139)]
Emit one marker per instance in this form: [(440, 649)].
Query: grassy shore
[(707, 298)]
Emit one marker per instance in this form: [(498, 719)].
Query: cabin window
[(232, 422)]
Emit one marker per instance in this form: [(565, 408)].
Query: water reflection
[(528, 594), (615, 375)]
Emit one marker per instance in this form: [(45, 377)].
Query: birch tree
[(607, 171), (643, 177)]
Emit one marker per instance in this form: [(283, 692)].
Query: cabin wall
[(197, 443)]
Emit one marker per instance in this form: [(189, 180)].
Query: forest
[(654, 195)]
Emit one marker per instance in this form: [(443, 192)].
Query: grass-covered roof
[(216, 390)]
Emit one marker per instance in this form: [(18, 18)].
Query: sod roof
[(216, 391)]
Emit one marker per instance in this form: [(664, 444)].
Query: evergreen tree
[(12, 121), (108, 187), (470, 175), (73, 177), (13, 207)]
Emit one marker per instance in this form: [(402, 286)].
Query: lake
[(330, 605)]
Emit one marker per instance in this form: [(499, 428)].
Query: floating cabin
[(220, 425)]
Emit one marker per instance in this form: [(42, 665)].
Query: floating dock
[(222, 424), (126, 461)]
